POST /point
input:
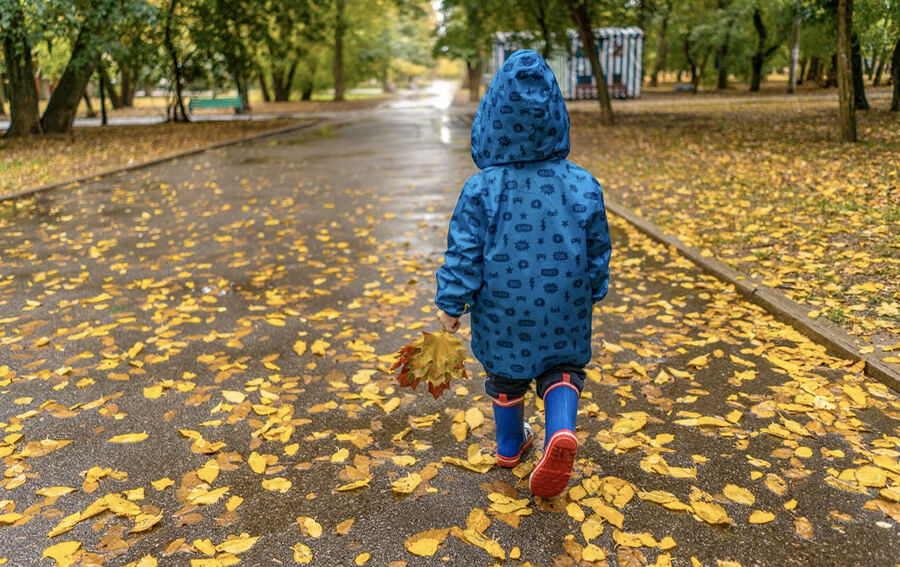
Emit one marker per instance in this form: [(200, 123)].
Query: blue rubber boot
[(551, 474), (514, 435)]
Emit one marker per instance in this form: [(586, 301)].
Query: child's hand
[(448, 324)]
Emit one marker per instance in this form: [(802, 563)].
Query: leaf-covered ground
[(38, 161), (194, 373), (761, 183)]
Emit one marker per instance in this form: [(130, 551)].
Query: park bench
[(234, 103)]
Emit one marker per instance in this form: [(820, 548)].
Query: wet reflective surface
[(217, 264)]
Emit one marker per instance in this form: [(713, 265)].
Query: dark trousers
[(517, 387)]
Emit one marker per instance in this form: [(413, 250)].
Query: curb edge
[(156, 161), (783, 308)]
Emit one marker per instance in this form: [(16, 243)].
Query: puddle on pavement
[(326, 131), (255, 161), (39, 205), (360, 153), (445, 134)]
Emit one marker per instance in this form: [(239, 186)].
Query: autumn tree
[(725, 16), (392, 44), (93, 20), (772, 23), (285, 34), (662, 44), (18, 36), (340, 28), (895, 77), (172, 41), (583, 18), (220, 30), (847, 108), (550, 20), (135, 47), (466, 33)]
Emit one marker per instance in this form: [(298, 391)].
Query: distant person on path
[(527, 254)]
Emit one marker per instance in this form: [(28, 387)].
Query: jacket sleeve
[(599, 249), (460, 278)]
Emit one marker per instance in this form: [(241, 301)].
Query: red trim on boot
[(565, 382), (551, 474), (510, 462), (505, 402)]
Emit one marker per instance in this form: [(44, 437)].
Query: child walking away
[(527, 255)]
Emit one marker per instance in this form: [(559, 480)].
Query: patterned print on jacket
[(528, 246)]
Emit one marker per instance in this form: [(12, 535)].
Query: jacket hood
[(522, 116)]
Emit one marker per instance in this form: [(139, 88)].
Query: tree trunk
[(540, 16), (831, 77), (292, 72), (474, 76), (582, 19), (722, 51), (802, 71), (2, 96), (242, 91), (895, 77), (756, 76), (722, 78), (307, 91), (129, 80), (814, 71), (661, 46), (106, 82), (267, 96), (758, 59), (176, 111), (859, 83), (23, 96), (148, 85), (309, 85), (281, 93), (795, 56), (91, 113), (696, 86), (691, 63), (283, 78), (60, 112), (339, 52), (103, 119), (847, 111), (879, 70)]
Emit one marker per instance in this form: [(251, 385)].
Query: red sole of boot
[(551, 474), (511, 462)]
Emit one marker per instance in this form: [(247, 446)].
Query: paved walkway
[(192, 357)]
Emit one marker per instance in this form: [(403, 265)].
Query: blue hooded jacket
[(528, 246)]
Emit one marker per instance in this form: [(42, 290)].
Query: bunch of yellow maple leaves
[(435, 358)]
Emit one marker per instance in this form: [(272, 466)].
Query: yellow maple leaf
[(319, 346), (277, 484), (143, 522), (129, 438), (302, 553), (739, 495), (406, 484), (62, 552), (761, 517), (354, 485), (237, 545), (425, 544), (710, 512), (592, 553)]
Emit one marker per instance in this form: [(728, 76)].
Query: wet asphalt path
[(216, 265)]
